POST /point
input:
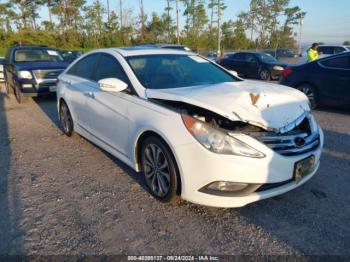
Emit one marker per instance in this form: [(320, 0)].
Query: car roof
[(32, 47), (147, 50), (334, 45)]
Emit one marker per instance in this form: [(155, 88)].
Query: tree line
[(78, 24)]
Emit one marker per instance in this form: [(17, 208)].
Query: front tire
[(311, 94), (160, 169), (66, 119)]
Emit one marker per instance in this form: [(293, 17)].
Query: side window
[(85, 68), (109, 67), (238, 56), (250, 58), (339, 49), (342, 62), (326, 50)]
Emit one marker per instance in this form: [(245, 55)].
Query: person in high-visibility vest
[(312, 53)]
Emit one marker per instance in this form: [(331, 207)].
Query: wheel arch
[(137, 153), (305, 82)]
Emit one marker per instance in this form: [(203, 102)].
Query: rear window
[(37, 55)]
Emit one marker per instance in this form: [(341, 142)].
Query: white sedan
[(191, 127)]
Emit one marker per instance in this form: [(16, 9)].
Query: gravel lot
[(62, 195)]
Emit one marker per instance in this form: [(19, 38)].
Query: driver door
[(108, 111)]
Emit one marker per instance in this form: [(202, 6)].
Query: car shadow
[(10, 203), (48, 105)]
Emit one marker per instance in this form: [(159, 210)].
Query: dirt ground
[(61, 195)]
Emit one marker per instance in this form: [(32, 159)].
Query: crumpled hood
[(270, 106)]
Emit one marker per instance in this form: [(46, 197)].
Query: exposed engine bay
[(301, 139), (219, 121)]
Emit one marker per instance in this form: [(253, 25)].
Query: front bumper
[(33, 88), (201, 167)]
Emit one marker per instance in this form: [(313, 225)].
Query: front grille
[(46, 85), (47, 74), (302, 139)]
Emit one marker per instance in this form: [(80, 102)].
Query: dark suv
[(32, 70)]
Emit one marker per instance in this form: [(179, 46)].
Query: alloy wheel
[(157, 171), (310, 93), (66, 119), (265, 74)]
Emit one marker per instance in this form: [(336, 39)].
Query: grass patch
[(3, 51)]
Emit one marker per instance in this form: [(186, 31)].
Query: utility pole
[(121, 20), (142, 21), (301, 23), (219, 29), (108, 10), (177, 23)]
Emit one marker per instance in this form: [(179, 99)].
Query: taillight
[(287, 71), (57, 81)]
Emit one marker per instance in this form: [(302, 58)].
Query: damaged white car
[(191, 127)]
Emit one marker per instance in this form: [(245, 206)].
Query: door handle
[(89, 94)]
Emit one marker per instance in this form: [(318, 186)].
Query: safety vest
[(312, 55)]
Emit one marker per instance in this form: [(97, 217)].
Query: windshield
[(174, 71), (37, 55), (267, 58)]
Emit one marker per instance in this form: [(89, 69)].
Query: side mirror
[(234, 73), (112, 85)]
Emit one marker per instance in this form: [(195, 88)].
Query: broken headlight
[(218, 141)]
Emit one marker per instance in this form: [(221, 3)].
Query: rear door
[(335, 77)]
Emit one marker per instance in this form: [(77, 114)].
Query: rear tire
[(311, 94), (160, 169), (66, 119)]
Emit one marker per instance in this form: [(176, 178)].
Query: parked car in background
[(190, 126), (324, 81), (32, 70), (281, 53), (2, 59), (69, 55), (254, 64), (327, 50), (332, 49)]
